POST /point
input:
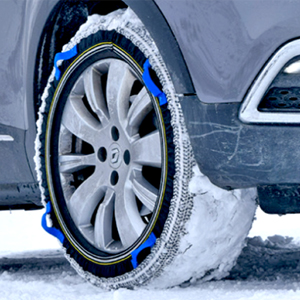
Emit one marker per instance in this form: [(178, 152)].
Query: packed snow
[(32, 266)]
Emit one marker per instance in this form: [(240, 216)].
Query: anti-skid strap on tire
[(152, 87), (51, 230), (147, 244), (63, 56)]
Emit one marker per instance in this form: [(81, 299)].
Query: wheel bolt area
[(114, 178), (102, 154), (127, 157), (115, 133)]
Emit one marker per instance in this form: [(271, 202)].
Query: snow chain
[(126, 23)]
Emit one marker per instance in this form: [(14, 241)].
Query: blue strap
[(51, 230), (152, 87), (63, 56), (147, 244)]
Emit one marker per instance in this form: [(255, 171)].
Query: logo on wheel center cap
[(115, 156)]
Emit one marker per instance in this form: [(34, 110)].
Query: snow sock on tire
[(114, 160)]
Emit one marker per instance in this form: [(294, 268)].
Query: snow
[(22, 231), (268, 225), (33, 267), (219, 223)]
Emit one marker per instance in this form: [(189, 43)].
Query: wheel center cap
[(115, 156)]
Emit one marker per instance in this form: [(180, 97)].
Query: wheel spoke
[(144, 190), (129, 223), (104, 218), (119, 84), (70, 163), (145, 211), (140, 107), (85, 199), (79, 121), (147, 150), (94, 93)]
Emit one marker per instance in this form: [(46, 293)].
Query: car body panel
[(148, 11), (237, 155), (22, 22), (226, 43), (12, 64), (215, 49)]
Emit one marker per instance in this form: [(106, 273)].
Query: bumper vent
[(275, 95), (281, 100)]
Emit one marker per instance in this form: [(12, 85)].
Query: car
[(150, 129)]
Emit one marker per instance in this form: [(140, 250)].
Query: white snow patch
[(266, 225), (219, 224), (21, 232)]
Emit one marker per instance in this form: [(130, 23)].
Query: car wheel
[(114, 163)]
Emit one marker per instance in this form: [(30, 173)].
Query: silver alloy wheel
[(112, 204)]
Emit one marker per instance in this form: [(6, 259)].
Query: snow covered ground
[(33, 267)]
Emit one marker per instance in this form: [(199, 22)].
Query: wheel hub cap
[(110, 157)]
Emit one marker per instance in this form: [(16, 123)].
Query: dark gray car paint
[(21, 26), (12, 65), (226, 42)]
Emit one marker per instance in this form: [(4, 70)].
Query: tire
[(115, 163)]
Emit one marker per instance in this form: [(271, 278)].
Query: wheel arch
[(59, 28), (147, 11)]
